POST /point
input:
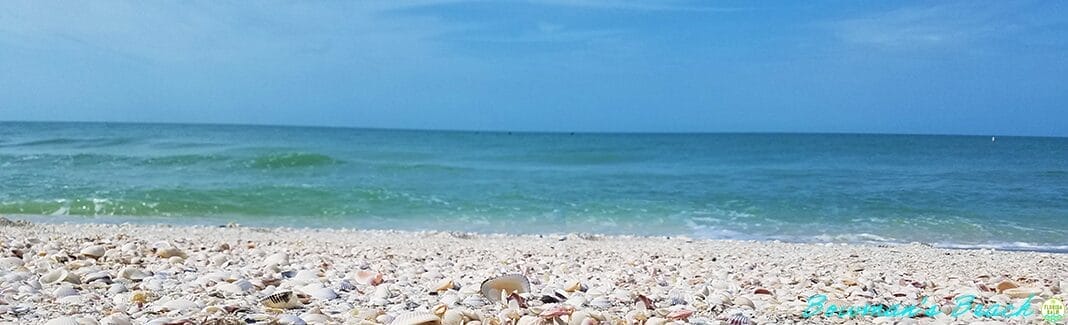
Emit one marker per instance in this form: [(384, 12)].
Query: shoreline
[(221, 222), (222, 273)]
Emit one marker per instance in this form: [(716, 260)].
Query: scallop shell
[(738, 319), (416, 318), (281, 300), (95, 251), (493, 288), (680, 314)]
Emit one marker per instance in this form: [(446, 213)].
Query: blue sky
[(971, 67)]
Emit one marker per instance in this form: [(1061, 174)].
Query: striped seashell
[(416, 318), (281, 300), (678, 297), (738, 319)]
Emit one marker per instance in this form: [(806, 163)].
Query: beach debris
[(494, 288), (366, 277), (1022, 292), (1000, 287)]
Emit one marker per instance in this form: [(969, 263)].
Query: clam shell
[(57, 276), (116, 319), (65, 290), (63, 321), (366, 277), (281, 300), (474, 302), (169, 252), (1022, 292), (600, 303), (452, 317), (288, 319), (416, 318), (322, 293), (276, 259), (492, 288), (132, 273), (1005, 285), (10, 263), (95, 251)]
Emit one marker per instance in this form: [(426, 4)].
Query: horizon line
[(403, 129)]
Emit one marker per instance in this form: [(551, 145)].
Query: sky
[(968, 67)]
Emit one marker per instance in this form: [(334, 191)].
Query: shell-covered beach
[(163, 274)]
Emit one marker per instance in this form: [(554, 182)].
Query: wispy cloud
[(923, 27)]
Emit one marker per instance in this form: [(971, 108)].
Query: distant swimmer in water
[(993, 139)]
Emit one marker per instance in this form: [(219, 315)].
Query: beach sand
[(122, 274)]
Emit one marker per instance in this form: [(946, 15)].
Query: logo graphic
[(1053, 310)]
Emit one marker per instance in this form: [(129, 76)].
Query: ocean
[(950, 191)]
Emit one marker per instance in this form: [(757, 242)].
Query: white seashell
[(281, 300), (316, 318), (601, 302), (116, 319), (322, 293), (452, 317), (103, 276), (277, 259), (444, 285), (382, 292), (132, 273), (306, 276), (576, 300), (182, 305), (63, 321), (116, 288), (677, 297), (1022, 292), (384, 319), (743, 301), (72, 300), (64, 290), (379, 301), (474, 302), (10, 263), (416, 318), (574, 285), (57, 276), (494, 288), (169, 252), (526, 320), (287, 319), (95, 251)]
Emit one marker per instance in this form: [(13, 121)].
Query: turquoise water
[(944, 190)]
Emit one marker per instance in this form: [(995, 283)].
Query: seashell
[(557, 311), (57, 276), (63, 321), (322, 293), (102, 276), (306, 275), (635, 317), (743, 301), (738, 319), (287, 319), (281, 300), (444, 285), (1022, 292), (761, 291), (139, 297), (10, 263), (365, 277), (181, 305), (525, 320), (168, 252), (677, 297), (1005, 285), (574, 285), (317, 318), (134, 274), (452, 317), (474, 302), (601, 302), (656, 321), (680, 314), (95, 251), (576, 300), (416, 318), (382, 292), (494, 288), (276, 259), (116, 288), (345, 286), (64, 290), (116, 319)]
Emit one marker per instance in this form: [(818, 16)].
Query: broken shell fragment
[(365, 277), (494, 288)]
